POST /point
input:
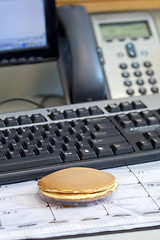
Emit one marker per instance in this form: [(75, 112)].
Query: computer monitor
[(28, 31)]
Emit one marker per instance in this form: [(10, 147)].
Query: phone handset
[(78, 53)]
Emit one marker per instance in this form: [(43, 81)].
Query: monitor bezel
[(49, 52)]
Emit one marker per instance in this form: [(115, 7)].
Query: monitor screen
[(28, 30)]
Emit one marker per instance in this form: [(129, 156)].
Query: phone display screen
[(125, 30)]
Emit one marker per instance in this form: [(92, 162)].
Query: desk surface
[(138, 207)]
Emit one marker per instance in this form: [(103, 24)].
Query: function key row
[(125, 106), (22, 120), (70, 113), (54, 115)]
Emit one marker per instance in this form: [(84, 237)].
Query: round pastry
[(77, 183)]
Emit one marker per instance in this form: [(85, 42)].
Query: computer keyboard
[(100, 134)]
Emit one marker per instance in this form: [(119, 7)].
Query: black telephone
[(79, 56), (108, 55)]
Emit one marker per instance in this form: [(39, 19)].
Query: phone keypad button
[(155, 89), (147, 64), (123, 65), (137, 73), (130, 91), (142, 91), (140, 81), (128, 83), (135, 65), (149, 72), (152, 81), (125, 74)]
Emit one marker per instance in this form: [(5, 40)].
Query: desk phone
[(129, 45)]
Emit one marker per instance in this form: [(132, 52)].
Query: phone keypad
[(139, 76)]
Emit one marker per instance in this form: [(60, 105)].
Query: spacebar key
[(107, 141)]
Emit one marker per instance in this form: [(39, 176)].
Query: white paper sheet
[(134, 204)]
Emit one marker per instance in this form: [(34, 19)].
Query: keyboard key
[(27, 152), (85, 136), (69, 114), (126, 106), (82, 112), (155, 142), (86, 153), (70, 155), (139, 122), (56, 115), (104, 134), (95, 110), (113, 108), (96, 120), (103, 126), (146, 114), (126, 124), (11, 121), (107, 141), (151, 134), (152, 120), (122, 148), (134, 116), (144, 145), (121, 117), (37, 118), (2, 125), (25, 119), (103, 151), (138, 104)]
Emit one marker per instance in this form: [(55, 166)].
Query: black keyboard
[(99, 134)]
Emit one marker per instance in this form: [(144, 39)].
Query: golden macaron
[(77, 183)]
